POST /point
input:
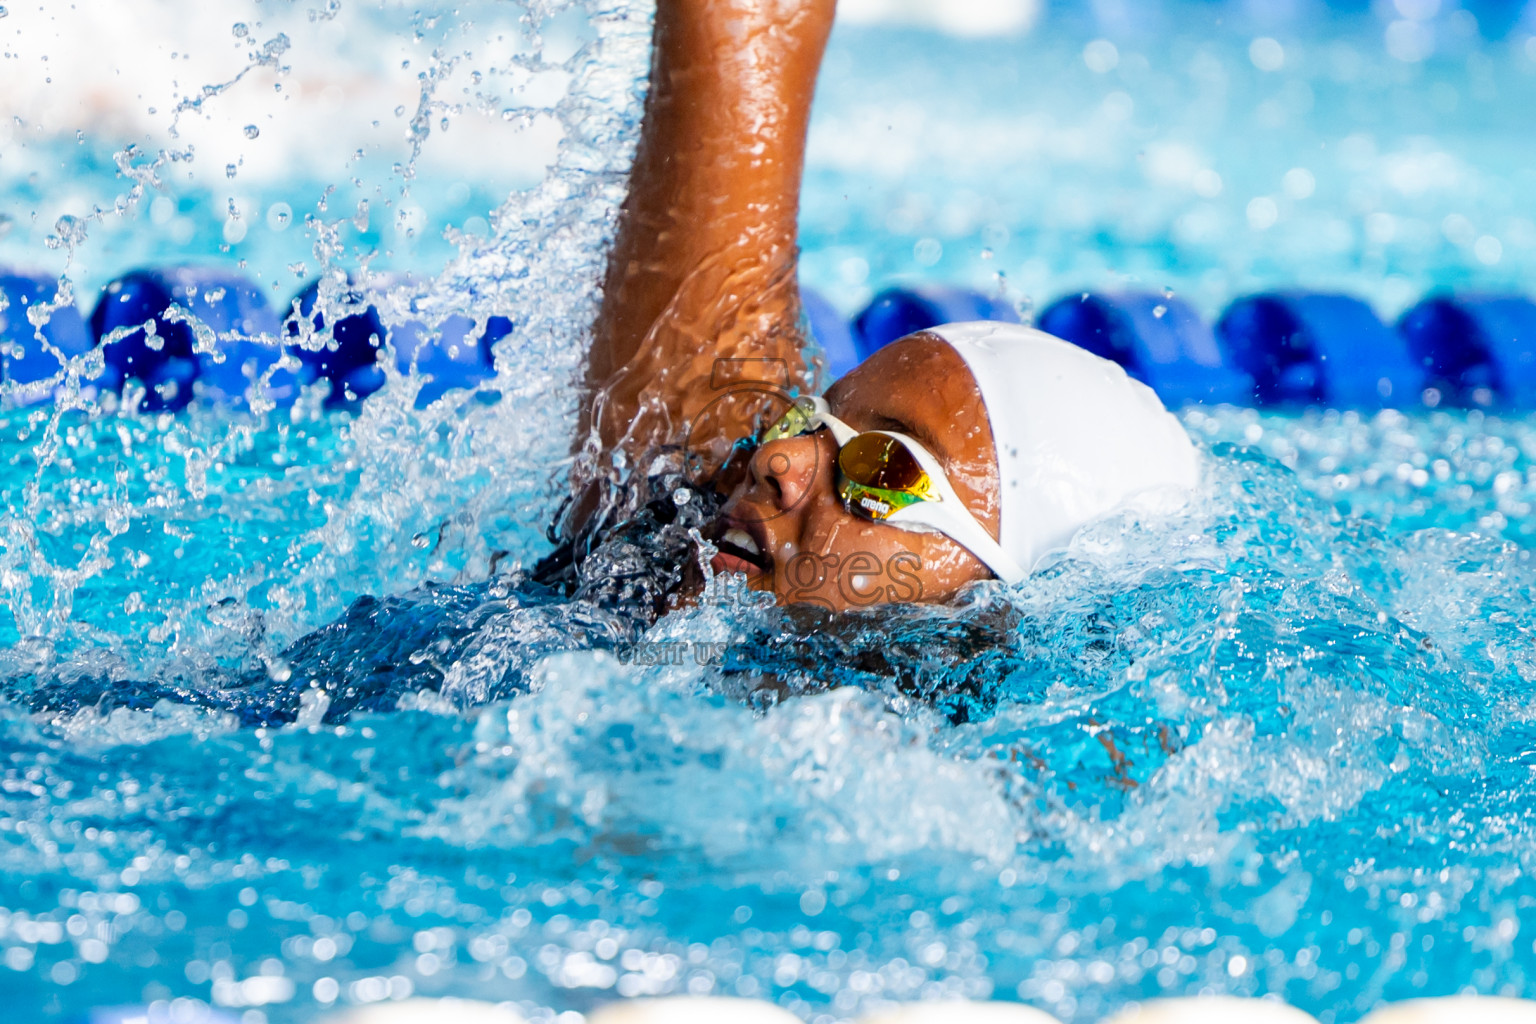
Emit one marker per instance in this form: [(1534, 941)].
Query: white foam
[(427, 1011), (833, 777), (1456, 1010), (1211, 1010), (712, 1010), (960, 1013)]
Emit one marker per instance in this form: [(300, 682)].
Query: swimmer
[(953, 455)]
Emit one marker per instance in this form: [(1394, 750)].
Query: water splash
[(1250, 748), (1278, 743)]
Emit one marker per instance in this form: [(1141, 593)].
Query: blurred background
[(1211, 147)]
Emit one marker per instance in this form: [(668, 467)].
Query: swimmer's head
[(799, 539), (1035, 436)]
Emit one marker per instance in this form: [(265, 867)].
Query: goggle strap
[(950, 517), (953, 520), (842, 433)]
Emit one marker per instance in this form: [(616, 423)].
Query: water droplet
[(3, 11), (70, 230), (230, 170), (251, 131), (241, 30), (1159, 311), (681, 496)]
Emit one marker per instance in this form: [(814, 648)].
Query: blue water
[(1276, 744)]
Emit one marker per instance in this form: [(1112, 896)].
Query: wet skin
[(703, 267), (702, 279), (810, 548), (701, 284)]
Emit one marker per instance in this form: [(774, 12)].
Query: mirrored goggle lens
[(883, 463), (798, 420)]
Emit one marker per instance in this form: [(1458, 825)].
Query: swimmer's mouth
[(739, 551)]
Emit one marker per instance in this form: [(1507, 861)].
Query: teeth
[(742, 539)]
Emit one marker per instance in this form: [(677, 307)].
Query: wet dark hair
[(473, 643), (470, 642)]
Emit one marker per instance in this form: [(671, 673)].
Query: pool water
[(1275, 744)]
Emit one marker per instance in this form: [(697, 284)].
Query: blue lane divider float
[(897, 312), (1318, 349), (24, 359), (1476, 349), (1159, 339), (246, 328), (1284, 347), (832, 332), (164, 363), (349, 361), (458, 355), (167, 359)]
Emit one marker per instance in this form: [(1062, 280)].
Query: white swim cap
[(1076, 438)]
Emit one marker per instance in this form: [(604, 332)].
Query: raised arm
[(701, 289)]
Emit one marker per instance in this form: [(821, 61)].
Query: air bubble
[(251, 131), (241, 30)]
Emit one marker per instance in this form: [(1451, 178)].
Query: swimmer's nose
[(787, 469)]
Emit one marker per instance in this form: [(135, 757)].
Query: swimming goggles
[(888, 477)]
